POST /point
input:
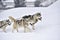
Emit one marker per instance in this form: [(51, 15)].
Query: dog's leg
[(13, 30), (24, 29), (4, 28), (33, 27), (17, 29), (22, 22), (27, 29), (14, 26)]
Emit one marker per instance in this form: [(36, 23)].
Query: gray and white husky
[(32, 19), (4, 24)]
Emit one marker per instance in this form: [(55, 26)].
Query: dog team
[(24, 22)]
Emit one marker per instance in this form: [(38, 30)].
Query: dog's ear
[(38, 14)]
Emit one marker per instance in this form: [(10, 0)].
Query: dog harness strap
[(2, 25)]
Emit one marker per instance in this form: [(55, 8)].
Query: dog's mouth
[(40, 18)]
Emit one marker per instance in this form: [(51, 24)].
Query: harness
[(34, 22), (2, 25)]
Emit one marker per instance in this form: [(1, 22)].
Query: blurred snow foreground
[(48, 29)]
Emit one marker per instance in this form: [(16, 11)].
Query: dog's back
[(26, 16)]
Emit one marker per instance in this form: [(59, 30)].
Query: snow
[(47, 29)]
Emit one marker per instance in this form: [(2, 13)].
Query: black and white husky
[(4, 24), (32, 19)]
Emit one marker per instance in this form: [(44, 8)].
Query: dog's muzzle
[(40, 18)]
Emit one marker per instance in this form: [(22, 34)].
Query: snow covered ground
[(48, 29)]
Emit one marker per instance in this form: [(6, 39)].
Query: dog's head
[(8, 22), (38, 16)]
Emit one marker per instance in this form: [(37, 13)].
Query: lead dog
[(32, 19), (4, 24)]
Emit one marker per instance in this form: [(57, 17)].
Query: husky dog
[(18, 23), (4, 24), (32, 19)]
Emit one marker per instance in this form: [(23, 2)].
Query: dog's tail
[(12, 19)]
